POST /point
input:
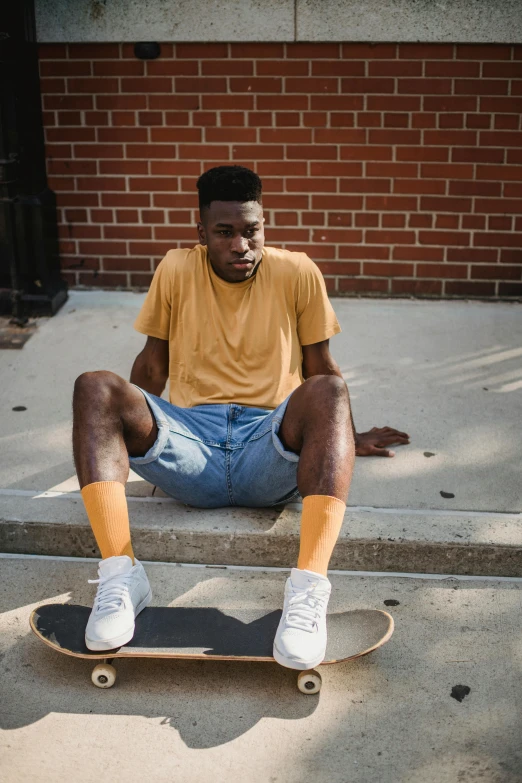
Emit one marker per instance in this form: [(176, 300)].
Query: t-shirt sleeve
[(316, 319), (155, 314)]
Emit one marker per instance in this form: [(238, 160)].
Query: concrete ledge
[(377, 540), (460, 21), (281, 20)]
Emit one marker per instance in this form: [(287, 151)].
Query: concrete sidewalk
[(448, 373), (386, 718)]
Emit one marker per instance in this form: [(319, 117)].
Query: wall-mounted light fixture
[(147, 50)]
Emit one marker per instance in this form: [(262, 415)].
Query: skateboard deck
[(207, 633)]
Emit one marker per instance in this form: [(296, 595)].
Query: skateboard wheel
[(309, 682), (103, 675)]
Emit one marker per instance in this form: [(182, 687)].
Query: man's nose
[(239, 244)]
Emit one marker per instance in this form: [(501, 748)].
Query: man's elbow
[(145, 370)]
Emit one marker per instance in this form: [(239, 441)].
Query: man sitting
[(258, 411)]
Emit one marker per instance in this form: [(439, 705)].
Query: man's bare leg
[(317, 426), (111, 421)]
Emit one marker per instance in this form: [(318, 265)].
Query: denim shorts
[(219, 455)]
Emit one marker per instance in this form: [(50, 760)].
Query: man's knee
[(99, 388), (330, 388)]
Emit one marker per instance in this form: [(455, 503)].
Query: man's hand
[(374, 442)]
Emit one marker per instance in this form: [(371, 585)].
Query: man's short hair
[(228, 183)]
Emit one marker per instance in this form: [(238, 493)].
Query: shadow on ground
[(208, 703)]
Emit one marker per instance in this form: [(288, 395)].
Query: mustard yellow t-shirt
[(236, 342)]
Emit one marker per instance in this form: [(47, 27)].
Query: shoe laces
[(111, 591), (306, 607)]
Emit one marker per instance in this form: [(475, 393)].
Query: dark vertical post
[(30, 280)]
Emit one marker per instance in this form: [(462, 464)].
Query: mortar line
[(57, 495), (275, 569)]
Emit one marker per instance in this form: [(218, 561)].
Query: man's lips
[(242, 263)]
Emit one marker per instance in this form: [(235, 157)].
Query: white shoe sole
[(118, 641), (293, 663)]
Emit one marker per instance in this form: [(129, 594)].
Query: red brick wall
[(398, 168)]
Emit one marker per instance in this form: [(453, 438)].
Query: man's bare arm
[(150, 370), (317, 360)]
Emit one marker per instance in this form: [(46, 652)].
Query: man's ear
[(202, 236)]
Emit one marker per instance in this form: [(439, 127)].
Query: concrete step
[(372, 539)]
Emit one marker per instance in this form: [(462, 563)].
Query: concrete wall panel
[(466, 21), (164, 20)]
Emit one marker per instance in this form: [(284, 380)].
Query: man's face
[(233, 231)]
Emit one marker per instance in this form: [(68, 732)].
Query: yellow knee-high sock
[(106, 507), (321, 522)]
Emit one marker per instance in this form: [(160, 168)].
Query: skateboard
[(207, 633)]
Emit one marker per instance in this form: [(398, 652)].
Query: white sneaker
[(123, 591), (300, 640)]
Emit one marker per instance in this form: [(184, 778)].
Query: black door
[(30, 281)]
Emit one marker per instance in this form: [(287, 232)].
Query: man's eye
[(250, 231)]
